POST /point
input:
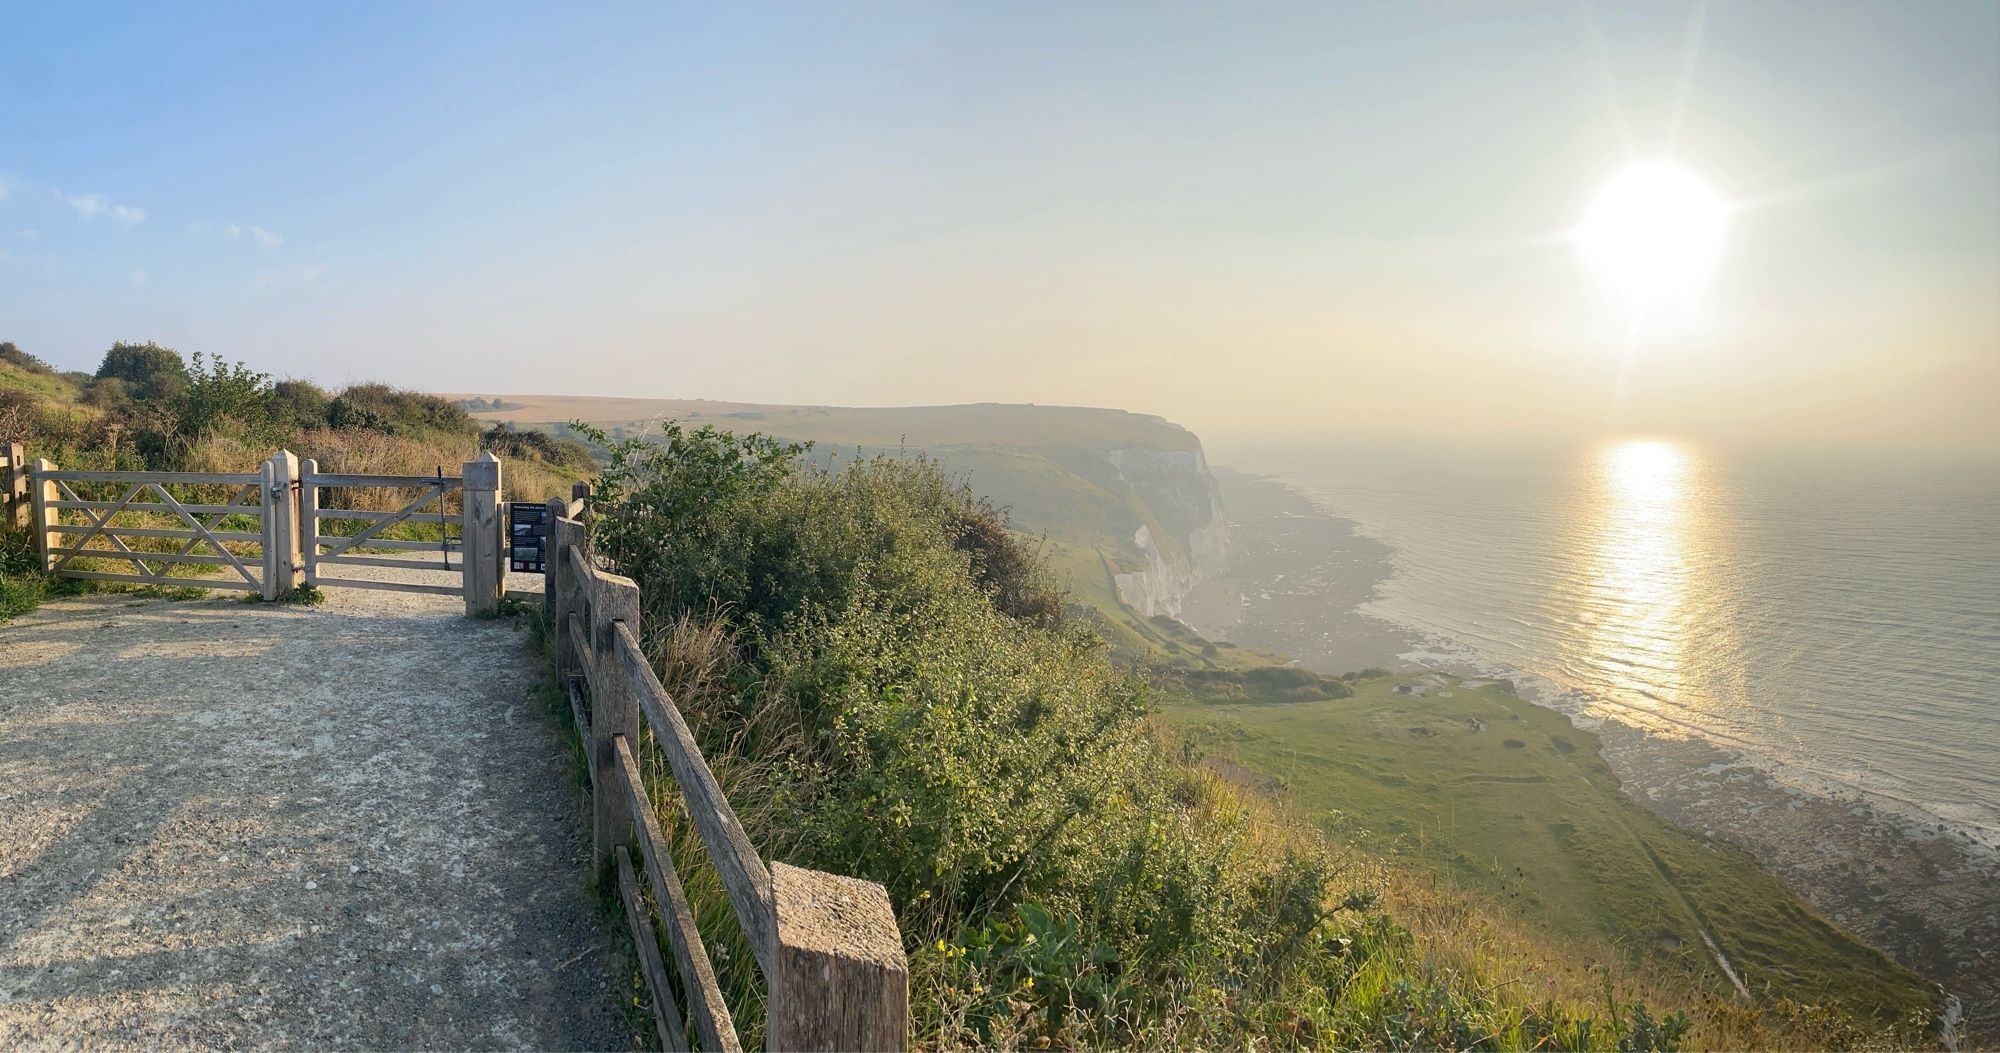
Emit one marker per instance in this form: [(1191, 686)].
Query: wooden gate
[(263, 530), (219, 519), (462, 511), (435, 502)]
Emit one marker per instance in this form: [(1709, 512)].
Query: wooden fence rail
[(828, 947)]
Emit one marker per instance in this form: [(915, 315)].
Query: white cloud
[(140, 277), (91, 206), (310, 271), (266, 238), (233, 230)]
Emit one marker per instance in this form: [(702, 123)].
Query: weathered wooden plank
[(483, 529), (14, 494), (191, 583), (144, 557), (387, 561), (384, 482), (841, 980), (154, 506), (666, 1011), (370, 515), (388, 586), (284, 564), (309, 522), (390, 544), (614, 707), (189, 478), (743, 874), (580, 650), (197, 535), (43, 491), (576, 713), (712, 1021)]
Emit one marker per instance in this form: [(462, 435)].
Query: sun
[(1655, 231)]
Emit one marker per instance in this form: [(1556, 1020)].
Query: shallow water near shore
[(1822, 694), (1839, 622)]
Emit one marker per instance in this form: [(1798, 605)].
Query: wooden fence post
[(555, 568), (309, 521), (14, 501), (479, 532), (282, 569), (614, 707), (44, 491), (839, 980)]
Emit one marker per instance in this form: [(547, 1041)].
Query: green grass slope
[(1511, 801)]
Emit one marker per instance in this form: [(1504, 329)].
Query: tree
[(151, 373)]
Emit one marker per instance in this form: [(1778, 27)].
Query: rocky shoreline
[(1924, 895)]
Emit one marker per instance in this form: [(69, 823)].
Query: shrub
[(505, 441), (379, 407), (215, 393), (150, 372), (299, 405)]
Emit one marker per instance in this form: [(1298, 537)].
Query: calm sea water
[(1838, 619)]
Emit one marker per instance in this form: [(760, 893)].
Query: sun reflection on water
[(1636, 594)]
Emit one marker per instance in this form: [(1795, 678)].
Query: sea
[(1833, 618)]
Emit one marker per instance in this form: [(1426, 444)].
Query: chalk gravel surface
[(228, 825)]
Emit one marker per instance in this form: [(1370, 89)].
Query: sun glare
[(1655, 231)]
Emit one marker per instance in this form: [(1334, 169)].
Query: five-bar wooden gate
[(263, 529)]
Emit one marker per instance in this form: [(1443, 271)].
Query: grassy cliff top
[(977, 424), (1511, 802)]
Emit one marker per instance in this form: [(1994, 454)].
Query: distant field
[(1511, 801)]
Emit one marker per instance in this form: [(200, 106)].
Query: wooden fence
[(14, 503), (92, 515), (828, 947)]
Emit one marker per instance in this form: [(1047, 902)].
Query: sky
[(1253, 219)]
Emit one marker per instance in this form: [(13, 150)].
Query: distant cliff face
[(1125, 499), (1187, 507)]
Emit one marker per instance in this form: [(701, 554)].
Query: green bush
[(379, 407), (150, 372)]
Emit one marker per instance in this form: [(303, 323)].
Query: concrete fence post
[(480, 531), (614, 708), (283, 570), (839, 980), (44, 495), (14, 502)]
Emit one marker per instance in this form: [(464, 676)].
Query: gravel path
[(232, 825)]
